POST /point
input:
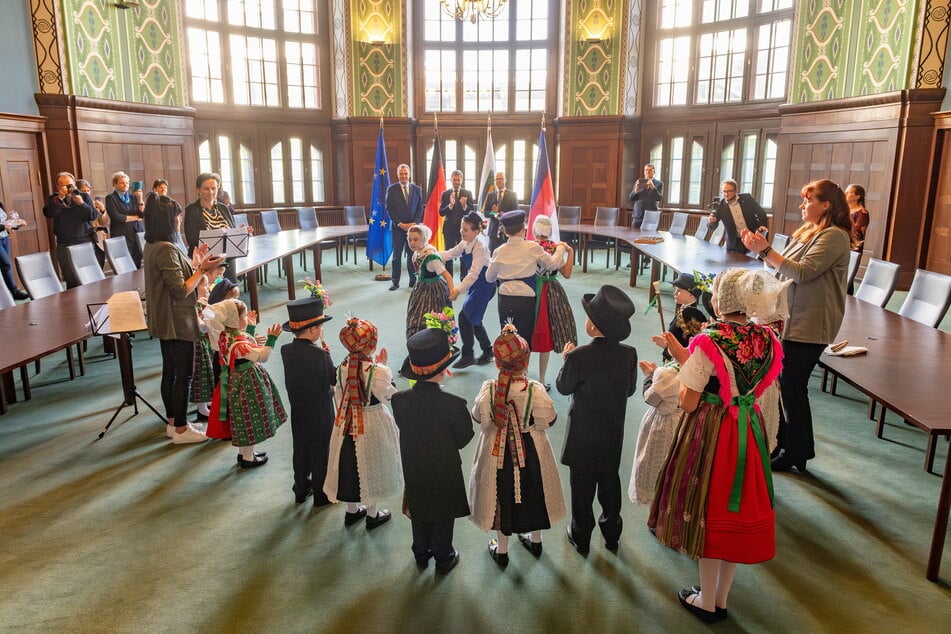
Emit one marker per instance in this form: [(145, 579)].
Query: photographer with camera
[(72, 213), (738, 212), (646, 195)]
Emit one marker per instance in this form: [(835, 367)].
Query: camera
[(714, 204), (74, 192)]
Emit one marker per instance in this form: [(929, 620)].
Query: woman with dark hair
[(125, 214), (160, 187), (855, 197), (207, 213), (817, 261), (172, 316)]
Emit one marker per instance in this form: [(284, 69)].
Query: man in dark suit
[(404, 204), (600, 376), (497, 203), (738, 212), (454, 204), (72, 213), (646, 195)]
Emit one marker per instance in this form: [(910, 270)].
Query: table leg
[(584, 252), (929, 453), (7, 391), (635, 257), (289, 271), (318, 257), (655, 276), (940, 524), (252, 276)]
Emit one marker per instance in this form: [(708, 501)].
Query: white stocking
[(503, 543), (542, 366)]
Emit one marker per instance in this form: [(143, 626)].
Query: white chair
[(140, 237), (718, 234), (117, 252), (38, 275), (780, 242), (854, 258), (678, 223), (356, 216), (604, 217), (879, 282), (703, 227), (651, 221), (928, 298), (82, 258)]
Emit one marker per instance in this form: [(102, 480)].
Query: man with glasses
[(738, 212)]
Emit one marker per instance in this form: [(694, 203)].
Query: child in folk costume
[(434, 284), (434, 425), (249, 400), (714, 496), (474, 255), (688, 319), (204, 377), (600, 376), (554, 321), (514, 486), (364, 462), (309, 377)]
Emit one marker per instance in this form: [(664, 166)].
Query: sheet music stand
[(230, 243), (100, 325)]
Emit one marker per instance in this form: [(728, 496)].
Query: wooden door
[(939, 244), (22, 192)]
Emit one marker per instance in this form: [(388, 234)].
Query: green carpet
[(133, 534)]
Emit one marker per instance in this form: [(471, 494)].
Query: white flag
[(487, 177)]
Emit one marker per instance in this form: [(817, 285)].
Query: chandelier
[(472, 10)]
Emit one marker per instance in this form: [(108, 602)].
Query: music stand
[(122, 330), (230, 243)]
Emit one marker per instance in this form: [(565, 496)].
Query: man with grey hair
[(72, 213), (404, 204), (455, 203)]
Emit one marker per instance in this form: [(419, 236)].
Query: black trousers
[(521, 310), (795, 431), (469, 333), (433, 539), (585, 483), (65, 268), (311, 447), (178, 363), (399, 246)]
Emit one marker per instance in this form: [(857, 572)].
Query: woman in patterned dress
[(714, 497), (433, 285), (554, 321)]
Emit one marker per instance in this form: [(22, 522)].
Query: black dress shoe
[(19, 293), (784, 462), (548, 387), (257, 454), (485, 358), (352, 518), (444, 568), (704, 615), (259, 461), (301, 495), (382, 517), (412, 283), (612, 546), (501, 559), (582, 549), (393, 287), (533, 547), (464, 362), (721, 612)]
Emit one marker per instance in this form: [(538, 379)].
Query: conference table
[(35, 329)]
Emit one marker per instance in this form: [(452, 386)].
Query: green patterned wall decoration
[(125, 54), (851, 49), (594, 58), (377, 48)]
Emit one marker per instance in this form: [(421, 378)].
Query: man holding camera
[(738, 212), (72, 213), (646, 195)]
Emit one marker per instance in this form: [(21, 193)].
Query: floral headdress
[(444, 320), (316, 289), (703, 281)]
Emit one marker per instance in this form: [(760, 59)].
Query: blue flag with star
[(379, 236)]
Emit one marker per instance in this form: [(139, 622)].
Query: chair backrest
[(82, 257), (879, 282), (240, 219), (717, 236), (651, 221), (854, 258), (140, 236), (307, 218), (780, 241), (6, 298), (117, 252), (355, 215), (703, 227), (678, 224), (38, 275), (569, 215), (605, 216), (928, 298), (272, 224)]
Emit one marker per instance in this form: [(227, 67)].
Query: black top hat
[(687, 282), (429, 354), (512, 218), (220, 290), (610, 309), (304, 313)]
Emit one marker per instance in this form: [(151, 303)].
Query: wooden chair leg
[(871, 409), (929, 452), (25, 380), (69, 361), (880, 427), (82, 358)]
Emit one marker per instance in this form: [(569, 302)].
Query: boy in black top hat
[(309, 378), (434, 425), (600, 376)]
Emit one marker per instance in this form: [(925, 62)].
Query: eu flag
[(379, 236)]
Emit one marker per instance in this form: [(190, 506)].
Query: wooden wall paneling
[(399, 137), (939, 243), (590, 159)]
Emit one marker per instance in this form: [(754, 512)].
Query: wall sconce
[(377, 43), (596, 26)]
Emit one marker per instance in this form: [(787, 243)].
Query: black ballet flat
[(381, 517), (533, 547), (259, 461), (704, 615), (501, 559), (349, 519), (257, 454), (721, 612), (783, 463)]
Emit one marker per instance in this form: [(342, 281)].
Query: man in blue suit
[(646, 195), (404, 204)]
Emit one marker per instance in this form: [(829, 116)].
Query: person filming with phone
[(646, 195), (72, 213)]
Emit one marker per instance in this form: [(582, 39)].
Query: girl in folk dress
[(249, 400), (714, 496), (514, 486), (204, 377), (554, 321), (364, 464), (434, 284), (658, 427)]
